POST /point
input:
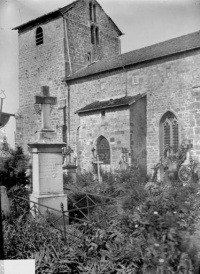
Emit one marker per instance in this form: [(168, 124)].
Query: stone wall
[(171, 83), (38, 66), (114, 126), (66, 44), (79, 35), (138, 133), (88, 90)]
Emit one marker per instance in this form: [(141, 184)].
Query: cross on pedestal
[(45, 100)]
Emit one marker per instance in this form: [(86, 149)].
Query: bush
[(13, 168), (157, 232), (18, 207)]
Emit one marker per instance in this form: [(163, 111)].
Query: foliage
[(12, 168), (156, 231), (160, 225), (18, 207), (113, 184)]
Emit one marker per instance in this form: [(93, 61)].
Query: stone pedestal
[(52, 201), (5, 206), (47, 177), (70, 170)]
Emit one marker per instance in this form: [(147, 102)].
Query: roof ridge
[(149, 46), (165, 48), (110, 103), (163, 42), (44, 15)]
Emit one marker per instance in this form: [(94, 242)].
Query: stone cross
[(45, 100), (189, 146)]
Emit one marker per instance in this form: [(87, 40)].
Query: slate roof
[(163, 49), (111, 103)]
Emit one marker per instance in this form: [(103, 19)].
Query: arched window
[(92, 34), (103, 150), (39, 36), (169, 132)]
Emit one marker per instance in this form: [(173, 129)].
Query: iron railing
[(85, 211)]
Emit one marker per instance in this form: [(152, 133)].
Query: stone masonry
[(171, 83), (123, 127), (65, 49), (114, 126), (168, 73)]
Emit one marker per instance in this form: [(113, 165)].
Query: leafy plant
[(155, 232), (13, 168)]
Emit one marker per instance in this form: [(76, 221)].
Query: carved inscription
[(51, 167)]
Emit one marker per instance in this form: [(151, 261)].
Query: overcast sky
[(143, 22)]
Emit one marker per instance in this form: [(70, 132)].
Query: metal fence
[(105, 205)]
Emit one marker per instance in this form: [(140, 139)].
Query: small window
[(92, 35), (90, 9), (169, 132), (97, 35), (94, 13), (39, 36), (89, 57)]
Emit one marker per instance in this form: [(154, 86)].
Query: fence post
[(88, 210), (34, 210), (15, 206), (1, 233), (63, 215)]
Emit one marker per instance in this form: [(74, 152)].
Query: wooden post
[(34, 210), (88, 210), (1, 233), (63, 215), (98, 169)]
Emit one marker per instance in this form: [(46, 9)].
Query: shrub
[(13, 167), (18, 207), (157, 232)]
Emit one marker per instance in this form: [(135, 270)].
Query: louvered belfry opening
[(97, 35), (92, 34), (90, 10), (103, 150), (169, 132), (39, 36)]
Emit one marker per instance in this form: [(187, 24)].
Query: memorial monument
[(47, 175)]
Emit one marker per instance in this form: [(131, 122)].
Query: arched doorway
[(103, 152)]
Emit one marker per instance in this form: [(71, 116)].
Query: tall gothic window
[(39, 36), (103, 150), (169, 132)]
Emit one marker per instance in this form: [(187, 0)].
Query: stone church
[(119, 108)]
